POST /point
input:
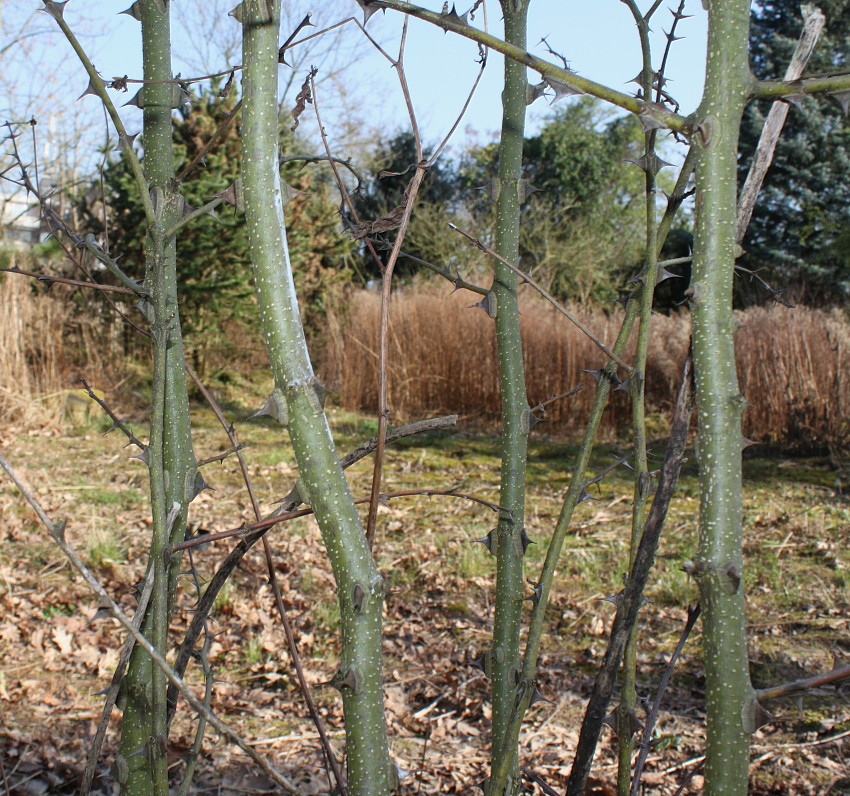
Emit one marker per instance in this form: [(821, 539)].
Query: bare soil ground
[(54, 657)]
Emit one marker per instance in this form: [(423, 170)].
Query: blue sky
[(598, 37)]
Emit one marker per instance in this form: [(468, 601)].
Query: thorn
[(526, 189), (104, 611), (529, 420), (585, 495), (843, 99), (651, 163), (614, 599), (483, 662), (351, 679), (199, 484), (597, 374), (130, 139), (746, 443), (290, 192), (487, 541), (561, 90), (232, 195), (274, 407), (651, 123), (368, 10), (453, 16), (611, 720), (56, 10), (536, 591), (534, 92), (493, 188), (487, 303), (664, 274), (755, 716), (90, 89), (143, 455), (134, 11)]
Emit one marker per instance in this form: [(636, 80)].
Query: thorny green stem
[(170, 457), (719, 568), (546, 69), (98, 87), (360, 586), (626, 719), (776, 89), (576, 490), (509, 539)]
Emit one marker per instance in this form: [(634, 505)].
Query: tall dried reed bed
[(44, 347), (443, 358)]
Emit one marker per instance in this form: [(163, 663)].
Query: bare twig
[(652, 715), (224, 570), (49, 280), (116, 421), (274, 519), (292, 643), (545, 293), (630, 599), (838, 674)]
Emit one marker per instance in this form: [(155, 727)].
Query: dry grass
[(443, 358), (45, 346)]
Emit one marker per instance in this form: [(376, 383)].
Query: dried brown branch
[(812, 28)]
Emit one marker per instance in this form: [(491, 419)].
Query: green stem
[(510, 533), (626, 719), (170, 456), (719, 563), (575, 492), (360, 586)]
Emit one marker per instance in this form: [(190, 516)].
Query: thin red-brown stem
[(60, 280), (281, 609), (268, 522)]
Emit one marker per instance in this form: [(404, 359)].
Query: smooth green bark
[(719, 566), (170, 457), (360, 586), (508, 542)]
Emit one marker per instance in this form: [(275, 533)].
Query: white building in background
[(21, 226)]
